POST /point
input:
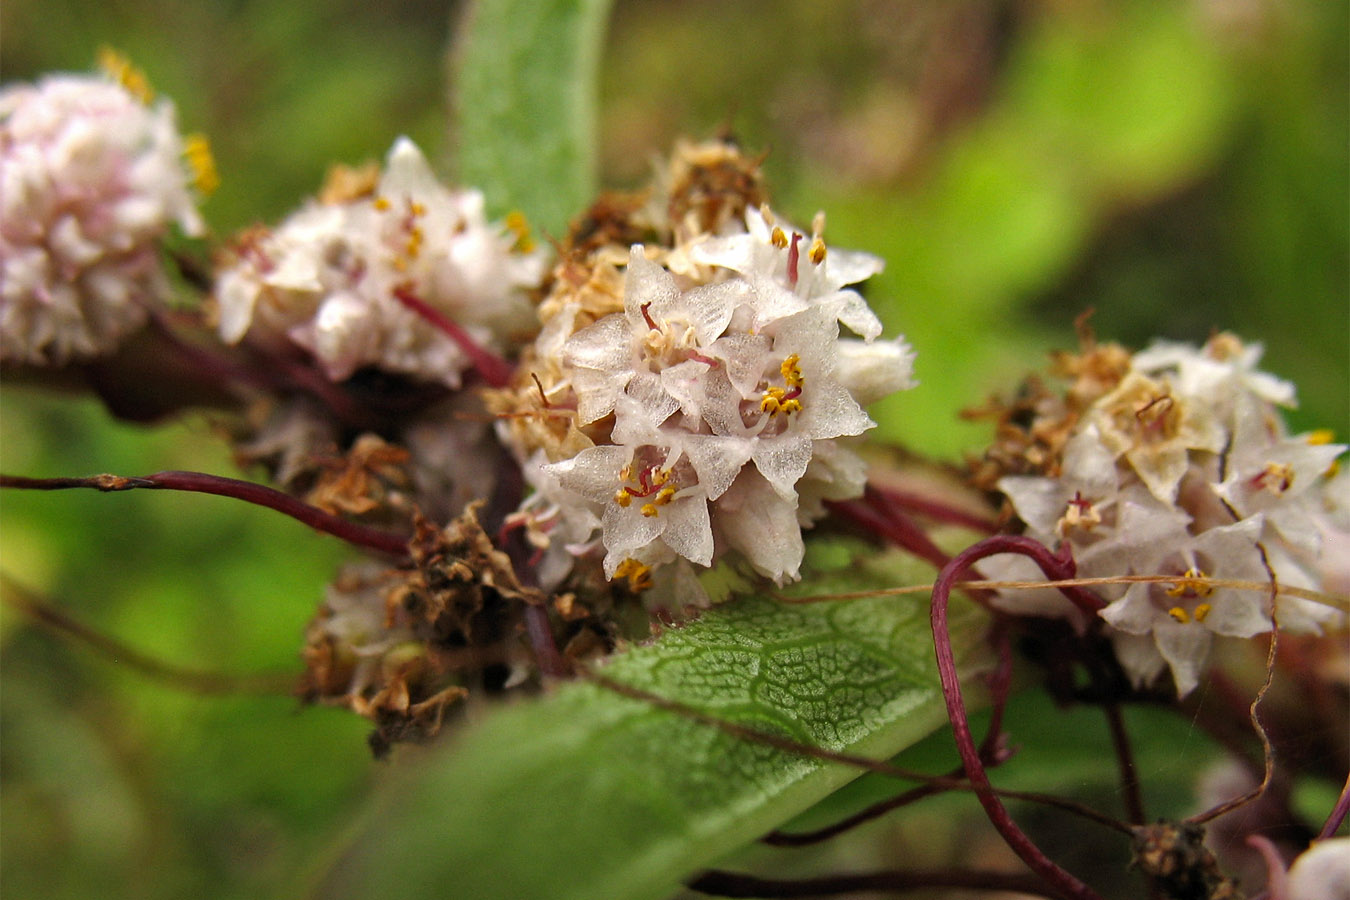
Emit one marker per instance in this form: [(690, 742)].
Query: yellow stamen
[(1321, 437), (382, 203), (205, 176), (639, 576), (623, 498), (417, 209), (778, 238), (120, 69), (650, 511), (1179, 614), (1202, 611), (664, 496), (792, 374), (1192, 584), (517, 224), (817, 251)]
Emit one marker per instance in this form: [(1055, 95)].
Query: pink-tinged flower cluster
[(719, 406), (91, 178), (1186, 469), (352, 282)]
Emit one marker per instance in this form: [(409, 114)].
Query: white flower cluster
[(352, 282), (720, 405), (91, 177), (1185, 468)]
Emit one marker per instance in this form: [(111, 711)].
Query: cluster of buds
[(696, 394), (1174, 461), (93, 175)]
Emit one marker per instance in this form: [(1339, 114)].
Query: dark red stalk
[(733, 884), (202, 483), (1054, 568), (930, 508), (550, 661), (1129, 775), (1338, 813), (893, 526), (495, 370)]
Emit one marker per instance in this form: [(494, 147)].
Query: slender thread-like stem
[(991, 751), (550, 661), (122, 654), (1129, 775), (718, 883), (495, 370), (788, 745), (931, 508), (257, 494), (893, 526), (1338, 813), (1053, 566)]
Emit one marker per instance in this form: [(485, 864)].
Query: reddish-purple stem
[(546, 655), (893, 526), (930, 508), (202, 483), (1129, 776), (495, 370), (1054, 568), (734, 884), (1338, 813)]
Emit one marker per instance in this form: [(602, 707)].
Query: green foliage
[(584, 793), (525, 106)]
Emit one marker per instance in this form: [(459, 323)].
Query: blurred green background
[(1178, 166)]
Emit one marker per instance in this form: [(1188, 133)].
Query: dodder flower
[(1183, 468), (338, 278), (91, 178), (717, 401)]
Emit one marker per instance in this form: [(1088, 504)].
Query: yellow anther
[(197, 150), (625, 473), (517, 224), (1192, 584), (771, 401), (792, 373), (623, 498), (1179, 614), (778, 238), (120, 69), (649, 510), (1202, 611), (660, 477), (382, 203), (1321, 437), (414, 245), (817, 251), (639, 576), (791, 405), (417, 209), (664, 496)]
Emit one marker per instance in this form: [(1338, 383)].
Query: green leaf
[(584, 793), (525, 88)]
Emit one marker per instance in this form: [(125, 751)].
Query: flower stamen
[(639, 576), (1193, 583), (197, 151)]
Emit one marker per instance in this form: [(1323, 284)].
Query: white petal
[(1185, 647), (872, 371), (688, 531)]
